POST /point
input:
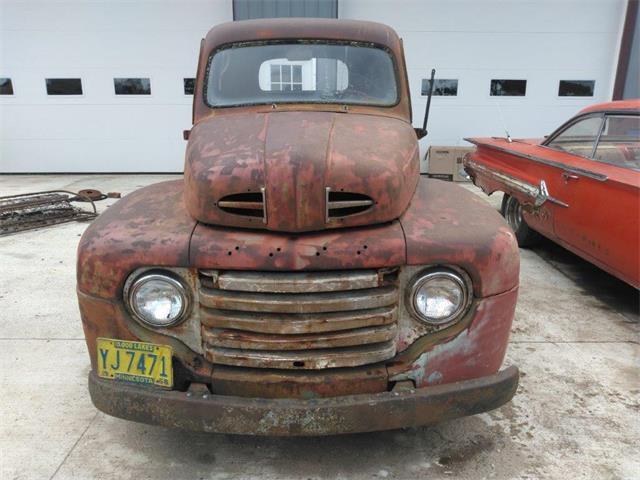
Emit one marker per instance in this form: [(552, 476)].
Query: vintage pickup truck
[(302, 279)]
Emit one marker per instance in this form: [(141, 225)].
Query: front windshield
[(301, 72)]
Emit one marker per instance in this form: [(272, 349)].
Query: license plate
[(137, 362)]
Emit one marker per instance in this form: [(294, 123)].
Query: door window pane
[(508, 88), (132, 86), (64, 86), (620, 141), (441, 87), (579, 138), (6, 86), (576, 88)]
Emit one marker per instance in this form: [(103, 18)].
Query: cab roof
[(302, 28), (617, 105), (266, 30)]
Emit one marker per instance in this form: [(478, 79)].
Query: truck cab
[(302, 278)]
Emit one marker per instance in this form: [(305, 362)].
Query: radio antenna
[(422, 132), (504, 124)]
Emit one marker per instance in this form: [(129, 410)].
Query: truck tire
[(511, 210)]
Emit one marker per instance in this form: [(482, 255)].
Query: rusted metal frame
[(319, 293), (228, 338), (402, 361), (292, 323), (197, 409), (301, 302), (596, 176), (30, 201), (303, 359), (513, 183), (298, 384), (77, 194), (33, 210), (297, 282)]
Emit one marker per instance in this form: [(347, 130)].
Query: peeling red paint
[(289, 161)]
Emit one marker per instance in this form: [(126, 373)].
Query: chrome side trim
[(263, 191), (581, 171), (326, 204), (539, 194)]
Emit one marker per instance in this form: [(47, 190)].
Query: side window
[(620, 141), (579, 138)]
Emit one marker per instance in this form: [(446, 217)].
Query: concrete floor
[(576, 413)]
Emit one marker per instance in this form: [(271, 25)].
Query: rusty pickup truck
[(302, 279)]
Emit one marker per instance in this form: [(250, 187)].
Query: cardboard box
[(445, 163)]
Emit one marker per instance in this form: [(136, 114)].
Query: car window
[(301, 72), (619, 142), (579, 138)]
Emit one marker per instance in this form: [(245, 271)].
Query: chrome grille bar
[(298, 320)]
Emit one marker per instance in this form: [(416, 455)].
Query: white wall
[(541, 41), (472, 41), (97, 41)]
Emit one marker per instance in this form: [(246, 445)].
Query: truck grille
[(296, 320)]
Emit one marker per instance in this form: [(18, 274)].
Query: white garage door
[(472, 43), (154, 45), (116, 102)]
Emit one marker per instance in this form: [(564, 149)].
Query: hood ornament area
[(542, 195)]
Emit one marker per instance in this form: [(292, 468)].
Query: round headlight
[(439, 296), (158, 300)]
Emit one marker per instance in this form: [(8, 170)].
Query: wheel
[(512, 212)]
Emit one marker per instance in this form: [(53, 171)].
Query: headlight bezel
[(138, 279), (452, 273)]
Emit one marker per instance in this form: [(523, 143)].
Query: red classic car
[(578, 187)]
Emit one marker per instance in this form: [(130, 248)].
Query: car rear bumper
[(200, 410)]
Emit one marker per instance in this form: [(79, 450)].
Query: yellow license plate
[(136, 362)]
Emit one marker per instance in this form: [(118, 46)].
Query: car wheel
[(512, 212)]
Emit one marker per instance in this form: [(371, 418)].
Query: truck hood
[(300, 171)]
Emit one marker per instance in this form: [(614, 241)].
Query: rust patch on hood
[(448, 225), (366, 247), (147, 227), (295, 157)]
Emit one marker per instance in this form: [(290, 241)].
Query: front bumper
[(204, 411)]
